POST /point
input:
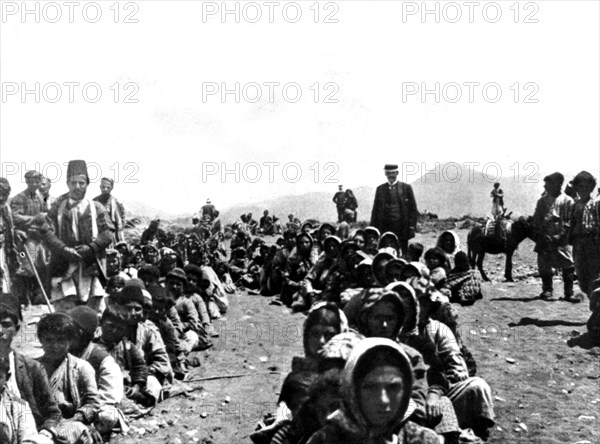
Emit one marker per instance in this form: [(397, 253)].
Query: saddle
[(498, 227)]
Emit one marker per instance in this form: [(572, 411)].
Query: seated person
[(146, 336), (108, 374), (29, 381), (376, 388), (72, 380), (435, 258), (129, 358), (16, 420)]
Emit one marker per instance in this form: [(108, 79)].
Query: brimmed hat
[(390, 167)]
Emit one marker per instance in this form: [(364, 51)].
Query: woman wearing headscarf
[(390, 240), (297, 267), (323, 322), (376, 390), (470, 395), (316, 279), (381, 316), (449, 242)]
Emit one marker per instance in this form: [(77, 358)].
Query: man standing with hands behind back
[(395, 208)]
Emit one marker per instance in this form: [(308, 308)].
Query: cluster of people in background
[(383, 360)]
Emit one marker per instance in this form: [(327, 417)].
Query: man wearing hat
[(115, 209), (9, 261), (26, 206), (395, 208), (77, 233), (340, 202), (551, 222)]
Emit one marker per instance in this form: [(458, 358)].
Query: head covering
[(10, 306), (85, 318), (410, 305), (135, 282), (336, 351), (368, 353), (147, 247), (555, 178), (332, 238), (193, 270), (130, 293), (4, 185), (380, 257), (109, 180), (373, 298), (326, 225), (390, 167), (388, 235), (207, 201), (160, 294), (313, 319), (148, 270), (346, 245), (77, 167), (177, 274), (111, 252), (582, 177), (373, 230), (456, 242)]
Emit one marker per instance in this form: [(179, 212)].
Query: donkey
[(479, 243)]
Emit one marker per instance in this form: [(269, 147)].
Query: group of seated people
[(102, 364), (363, 294), (99, 366)]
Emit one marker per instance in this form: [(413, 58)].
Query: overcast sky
[(170, 147)]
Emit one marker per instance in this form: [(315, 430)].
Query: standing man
[(44, 189), (208, 210), (8, 252), (25, 207), (551, 224), (395, 208), (115, 209), (497, 196), (340, 202), (77, 232)]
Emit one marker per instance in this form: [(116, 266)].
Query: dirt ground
[(544, 391)]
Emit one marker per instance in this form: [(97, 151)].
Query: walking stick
[(25, 253)]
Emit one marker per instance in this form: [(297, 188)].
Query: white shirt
[(11, 384)]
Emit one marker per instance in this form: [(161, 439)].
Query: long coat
[(408, 209)]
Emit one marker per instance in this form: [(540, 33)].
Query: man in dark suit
[(395, 208)]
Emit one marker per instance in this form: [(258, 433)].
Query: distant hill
[(467, 194), (442, 197)]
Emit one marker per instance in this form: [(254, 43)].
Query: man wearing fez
[(25, 207), (78, 233), (395, 208), (115, 209)]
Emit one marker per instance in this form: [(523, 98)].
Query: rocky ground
[(544, 391)]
